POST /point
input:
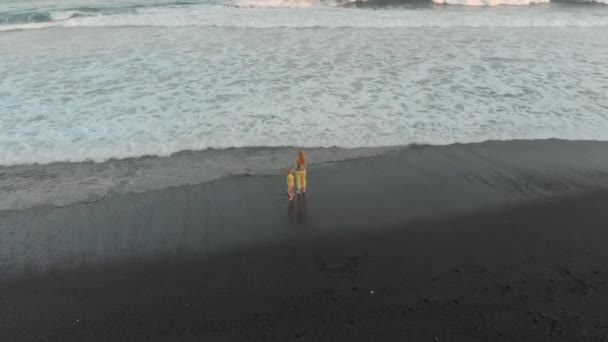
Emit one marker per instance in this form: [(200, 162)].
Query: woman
[(301, 171)]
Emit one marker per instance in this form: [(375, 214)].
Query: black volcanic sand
[(461, 256)]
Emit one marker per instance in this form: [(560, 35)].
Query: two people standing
[(300, 175)]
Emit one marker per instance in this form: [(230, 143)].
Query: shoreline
[(64, 183), (61, 184)]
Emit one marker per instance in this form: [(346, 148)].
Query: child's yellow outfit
[(290, 181)]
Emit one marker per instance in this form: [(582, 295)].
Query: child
[(289, 173)]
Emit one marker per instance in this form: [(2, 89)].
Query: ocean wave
[(490, 2), (53, 14), (193, 13), (102, 94), (394, 3), (275, 3), (65, 15), (222, 16), (49, 16)]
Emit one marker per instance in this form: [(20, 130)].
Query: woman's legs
[(301, 180)]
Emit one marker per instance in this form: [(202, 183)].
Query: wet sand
[(494, 241)]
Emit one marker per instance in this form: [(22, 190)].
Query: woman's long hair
[(301, 161)]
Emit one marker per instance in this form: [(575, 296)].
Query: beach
[(455, 153), (466, 242)]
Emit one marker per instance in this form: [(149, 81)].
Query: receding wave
[(60, 184), (581, 166)]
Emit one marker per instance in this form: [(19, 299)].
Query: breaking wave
[(272, 13)]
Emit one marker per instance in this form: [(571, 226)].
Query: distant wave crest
[(46, 17), (142, 14), (490, 2), (382, 3), (218, 15)]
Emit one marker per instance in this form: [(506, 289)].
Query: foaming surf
[(101, 94), (127, 80)]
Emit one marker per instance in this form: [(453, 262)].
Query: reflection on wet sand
[(296, 210)]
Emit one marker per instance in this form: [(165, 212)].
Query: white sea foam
[(490, 2), (277, 3), (28, 26), (113, 93)]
